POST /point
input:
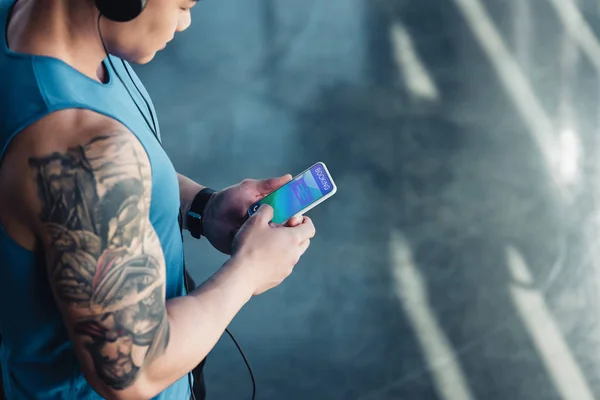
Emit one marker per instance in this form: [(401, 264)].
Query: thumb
[(267, 186), (264, 214)]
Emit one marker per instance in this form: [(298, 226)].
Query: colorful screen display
[(298, 194)]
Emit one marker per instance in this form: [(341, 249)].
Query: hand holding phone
[(304, 192), (266, 254)]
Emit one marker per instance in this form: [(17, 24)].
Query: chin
[(137, 57), (147, 59), (144, 59)]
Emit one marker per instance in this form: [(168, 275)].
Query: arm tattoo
[(107, 267)]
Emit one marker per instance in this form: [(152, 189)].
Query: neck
[(64, 29)]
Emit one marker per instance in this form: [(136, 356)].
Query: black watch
[(194, 215)]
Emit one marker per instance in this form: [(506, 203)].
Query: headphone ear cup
[(120, 10)]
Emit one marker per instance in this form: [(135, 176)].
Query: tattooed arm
[(107, 271), (105, 262)]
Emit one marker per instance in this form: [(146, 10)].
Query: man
[(92, 297)]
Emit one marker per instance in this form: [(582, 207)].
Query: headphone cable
[(245, 361), (153, 128), (187, 290)]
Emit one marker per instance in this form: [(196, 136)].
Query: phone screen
[(302, 191)]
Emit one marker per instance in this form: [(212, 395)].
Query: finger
[(306, 230), (294, 221), (267, 186), (304, 246)]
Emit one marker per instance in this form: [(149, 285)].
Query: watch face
[(194, 225)]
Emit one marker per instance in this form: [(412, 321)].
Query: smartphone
[(304, 192)]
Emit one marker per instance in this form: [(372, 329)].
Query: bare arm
[(188, 189), (107, 271)]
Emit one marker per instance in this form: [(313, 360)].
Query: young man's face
[(138, 40)]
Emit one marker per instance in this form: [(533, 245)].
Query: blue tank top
[(36, 356)]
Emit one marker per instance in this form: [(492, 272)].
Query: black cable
[(125, 86), (187, 290), (153, 128), (154, 131), (245, 361)]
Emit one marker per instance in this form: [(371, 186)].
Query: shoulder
[(65, 148), (66, 129)]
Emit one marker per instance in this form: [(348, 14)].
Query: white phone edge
[(316, 203), (322, 199)]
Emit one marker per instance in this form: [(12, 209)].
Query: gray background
[(459, 259)]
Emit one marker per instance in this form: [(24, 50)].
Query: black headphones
[(121, 10)]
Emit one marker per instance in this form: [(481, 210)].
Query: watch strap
[(196, 211)]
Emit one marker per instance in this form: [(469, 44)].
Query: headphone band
[(121, 10)]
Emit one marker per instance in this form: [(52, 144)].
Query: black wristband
[(194, 215)]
